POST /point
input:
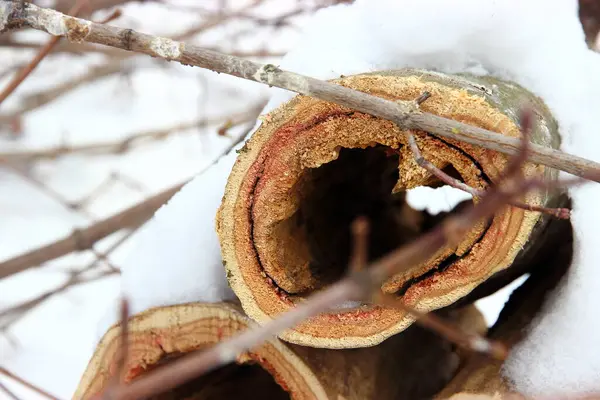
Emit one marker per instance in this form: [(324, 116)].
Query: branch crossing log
[(313, 167)]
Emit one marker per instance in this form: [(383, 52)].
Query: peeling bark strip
[(13, 14), (313, 167)]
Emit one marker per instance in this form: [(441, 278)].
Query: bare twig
[(116, 65), (44, 51), (357, 286), (15, 313), (83, 239), (8, 392), (129, 142), (123, 343), (28, 385), (405, 114), (448, 330), (26, 176), (11, 315), (562, 213)]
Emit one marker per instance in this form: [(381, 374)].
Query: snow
[(435, 200), (177, 256), (538, 44)]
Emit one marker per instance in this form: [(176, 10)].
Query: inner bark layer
[(301, 216)]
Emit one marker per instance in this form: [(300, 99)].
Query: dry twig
[(8, 392), (115, 65), (15, 313), (122, 352), (28, 385), (405, 114), (562, 213), (44, 51), (446, 329), (126, 144), (83, 239)]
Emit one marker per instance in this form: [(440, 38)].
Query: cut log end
[(159, 336), (313, 167)]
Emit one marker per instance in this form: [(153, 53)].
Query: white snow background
[(538, 44)]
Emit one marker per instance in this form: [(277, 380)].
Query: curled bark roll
[(275, 370), (159, 335), (313, 166)]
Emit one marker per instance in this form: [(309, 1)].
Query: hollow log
[(411, 366), (312, 167)]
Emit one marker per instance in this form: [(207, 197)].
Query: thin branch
[(47, 190), (83, 239), (126, 144), (15, 313), (28, 385), (11, 315), (8, 392), (357, 286), (561, 213), (44, 51), (405, 114), (116, 65), (446, 329)]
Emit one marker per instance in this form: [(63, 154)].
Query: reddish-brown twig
[(357, 286), (562, 213), (27, 384), (44, 51), (13, 314), (447, 330)]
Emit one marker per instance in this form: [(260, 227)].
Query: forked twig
[(13, 314), (562, 213)]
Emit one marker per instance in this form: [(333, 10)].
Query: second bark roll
[(313, 167)]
